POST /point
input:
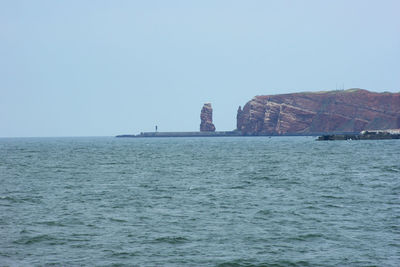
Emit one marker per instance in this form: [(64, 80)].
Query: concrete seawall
[(184, 134), (214, 134)]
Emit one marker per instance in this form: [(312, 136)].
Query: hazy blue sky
[(78, 68)]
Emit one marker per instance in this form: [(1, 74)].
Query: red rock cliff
[(351, 110), (206, 124)]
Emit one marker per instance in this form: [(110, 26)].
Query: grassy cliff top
[(351, 90)]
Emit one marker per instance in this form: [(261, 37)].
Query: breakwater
[(184, 134), (364, 135)]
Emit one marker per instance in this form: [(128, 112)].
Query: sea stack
[(206, 124)]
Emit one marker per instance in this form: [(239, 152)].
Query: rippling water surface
[(281, 201)]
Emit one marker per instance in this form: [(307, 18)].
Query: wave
[(278, 263), (28, 240), (171, 240)]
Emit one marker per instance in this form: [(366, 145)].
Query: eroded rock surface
[(350, 110), (206, 124)]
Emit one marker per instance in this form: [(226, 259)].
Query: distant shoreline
[(217, 134)]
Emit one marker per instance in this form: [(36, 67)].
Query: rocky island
[(340, 112), (343, 111)]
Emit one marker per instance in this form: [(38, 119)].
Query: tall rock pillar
[(206, 124)]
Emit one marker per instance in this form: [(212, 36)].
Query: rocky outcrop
[(350, 110), (206, 124)]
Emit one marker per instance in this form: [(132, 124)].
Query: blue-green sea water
[(243, 201)]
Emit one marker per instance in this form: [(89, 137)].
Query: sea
[(225, 201)]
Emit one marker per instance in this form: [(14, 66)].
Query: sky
[(102, 68)]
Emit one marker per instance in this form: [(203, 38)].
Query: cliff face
[(206, 124), (351, 110)]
